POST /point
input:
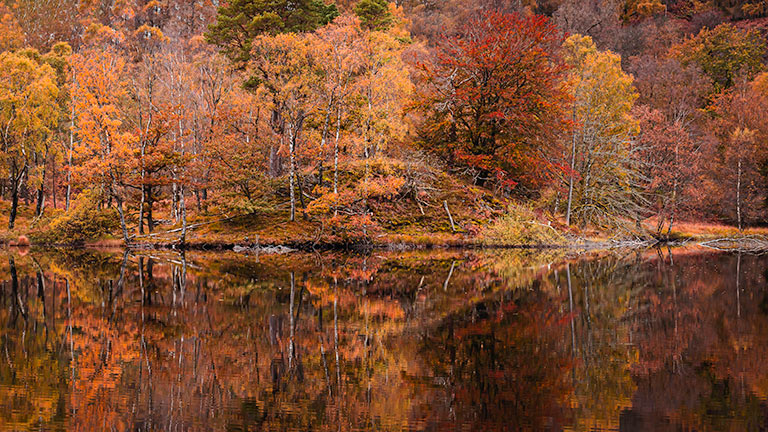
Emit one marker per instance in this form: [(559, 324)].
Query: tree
[(338, 50), (600, 19), (603, 180), (105, 148), (11, 35), (365, 86), (374, 14), (740, 167), (666, 85), (28, 114), (724, 53), (47, 22), (671, 162), (286, 76), (58, 59), (381, 89), (644, 8), (240, 21), (493, 98)]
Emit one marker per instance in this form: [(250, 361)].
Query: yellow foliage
[(520, 227), (11, 35), (644, 8)]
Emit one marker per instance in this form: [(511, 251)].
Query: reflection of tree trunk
[(325, 364), (183, 281), (570, 302), (15, 298), (71, 344), (41, 295), (121, 279), (336, 331), (450, 273), (738, 285), (290, 322)]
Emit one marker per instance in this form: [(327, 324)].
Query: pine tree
[(240, 21)]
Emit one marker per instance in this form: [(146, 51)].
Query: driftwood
[(749, 244)]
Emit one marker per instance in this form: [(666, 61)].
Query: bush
[(520, 227), (84, 222)]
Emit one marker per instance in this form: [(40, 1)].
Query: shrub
[(520, 227), (84, 222)]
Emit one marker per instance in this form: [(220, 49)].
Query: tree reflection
[(440, 340)]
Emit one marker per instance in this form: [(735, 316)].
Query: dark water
[(421, 341)]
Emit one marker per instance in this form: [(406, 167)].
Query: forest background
[(302, 122)]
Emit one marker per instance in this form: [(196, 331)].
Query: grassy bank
[(399, 208)]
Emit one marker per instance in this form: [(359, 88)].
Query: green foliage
[(724, 53), (84, 222), (520, 227), (240, 21), (374, 14)]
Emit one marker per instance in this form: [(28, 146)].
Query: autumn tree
[(493, 98), (338, 50), (285, 73), (11, 34), (603, 179), (740, 166), (663, 83), (28, 114), (104, 150), (672, 164), (755, 8), (724, 53), (643, 8), (381, 88), (50, 151), (365, 86), (47, 22)]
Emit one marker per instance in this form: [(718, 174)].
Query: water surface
[(407, 341)]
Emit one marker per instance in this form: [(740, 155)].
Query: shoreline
[(585, 245)]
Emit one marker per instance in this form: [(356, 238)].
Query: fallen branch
[(453, 227), (189, 227), (751, 243)]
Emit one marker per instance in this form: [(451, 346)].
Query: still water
[(425, 341)]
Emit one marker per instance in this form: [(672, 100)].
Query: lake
[(664, 340)]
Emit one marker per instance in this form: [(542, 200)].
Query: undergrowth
[(83, 223), (520, 227)]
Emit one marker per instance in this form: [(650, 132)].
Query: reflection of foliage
[(503, 362), (491, 340)]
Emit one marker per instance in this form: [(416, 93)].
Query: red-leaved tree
[(493, 99)]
